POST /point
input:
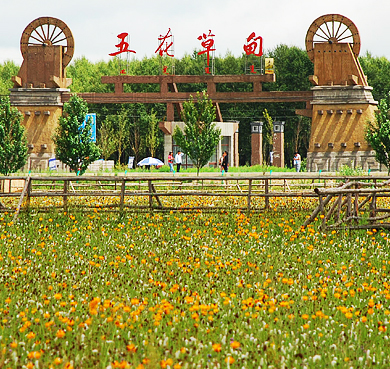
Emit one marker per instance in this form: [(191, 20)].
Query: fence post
[(266, 191), (150, 193), (349, 206), (122, 198), (249, 195), (65, 198), (322, 211), (28, 193)]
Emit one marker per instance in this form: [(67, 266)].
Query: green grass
[(185, 290)]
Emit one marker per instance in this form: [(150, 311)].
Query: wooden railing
[(353, 205), (167, 192)]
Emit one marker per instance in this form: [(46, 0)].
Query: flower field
[(191, 290)]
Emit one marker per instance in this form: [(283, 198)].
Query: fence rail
[(352, 205), (149, 192)]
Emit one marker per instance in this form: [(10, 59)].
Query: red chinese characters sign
[(254, 45), (165, 44), (123, 45), (208, 44)]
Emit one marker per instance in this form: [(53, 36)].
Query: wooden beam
[(353, 80), (17, 81), (313, 80), (304, 112), (167, 79), (180, 97)]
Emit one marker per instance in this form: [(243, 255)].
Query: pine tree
[(200, 135), (13, 147), (73, 139)]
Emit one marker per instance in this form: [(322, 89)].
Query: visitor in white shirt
[(178, 160)]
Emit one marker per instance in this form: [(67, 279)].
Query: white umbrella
[(150, 161)]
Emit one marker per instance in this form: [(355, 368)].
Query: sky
[(96, 24)]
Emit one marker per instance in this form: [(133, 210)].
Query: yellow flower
[(34, 355), (165, 363), (235, 345), (14, 344), (57, 361), (229, 360), (131, 348), (217, 347), (30, 335), (60, 333)]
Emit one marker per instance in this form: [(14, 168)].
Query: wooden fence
[(163, 192), (353, 205)]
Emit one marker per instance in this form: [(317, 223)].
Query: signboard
[(93, 123), (130, 164), (53, 164), (269, 65)]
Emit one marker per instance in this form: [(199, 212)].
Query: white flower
[(316, 358)]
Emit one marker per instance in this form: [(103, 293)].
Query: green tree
[(13, 148), (7, 70), (73, 141), (378, 133), (106, 139), (120, 127), (267, 135), (377, 70), (200, 135), (152, 137)]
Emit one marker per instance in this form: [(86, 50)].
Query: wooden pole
[(122, 195), (28, 193), (266, 191), (322, 210), (23, 194), (150, 194), (249, 195), (349, 206), (339, 207), (65, 198), (317, 210)]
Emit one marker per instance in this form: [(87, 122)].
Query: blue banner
[(93, 125)]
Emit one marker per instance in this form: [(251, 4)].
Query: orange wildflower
[(217, 347), (235, 345)]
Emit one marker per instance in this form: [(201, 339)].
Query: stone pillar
[(41, 109), (340, 114), (257, 143), (278, 144), (235, 150)]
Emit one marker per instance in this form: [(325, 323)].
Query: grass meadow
[(226, 289)]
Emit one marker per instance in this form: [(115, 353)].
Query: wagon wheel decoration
[(47, 31), (332, 28)]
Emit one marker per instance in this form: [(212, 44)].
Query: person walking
[(178, 160), (225, 161), (170, 161), (271, 158), (221, 161), (297, 162)]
